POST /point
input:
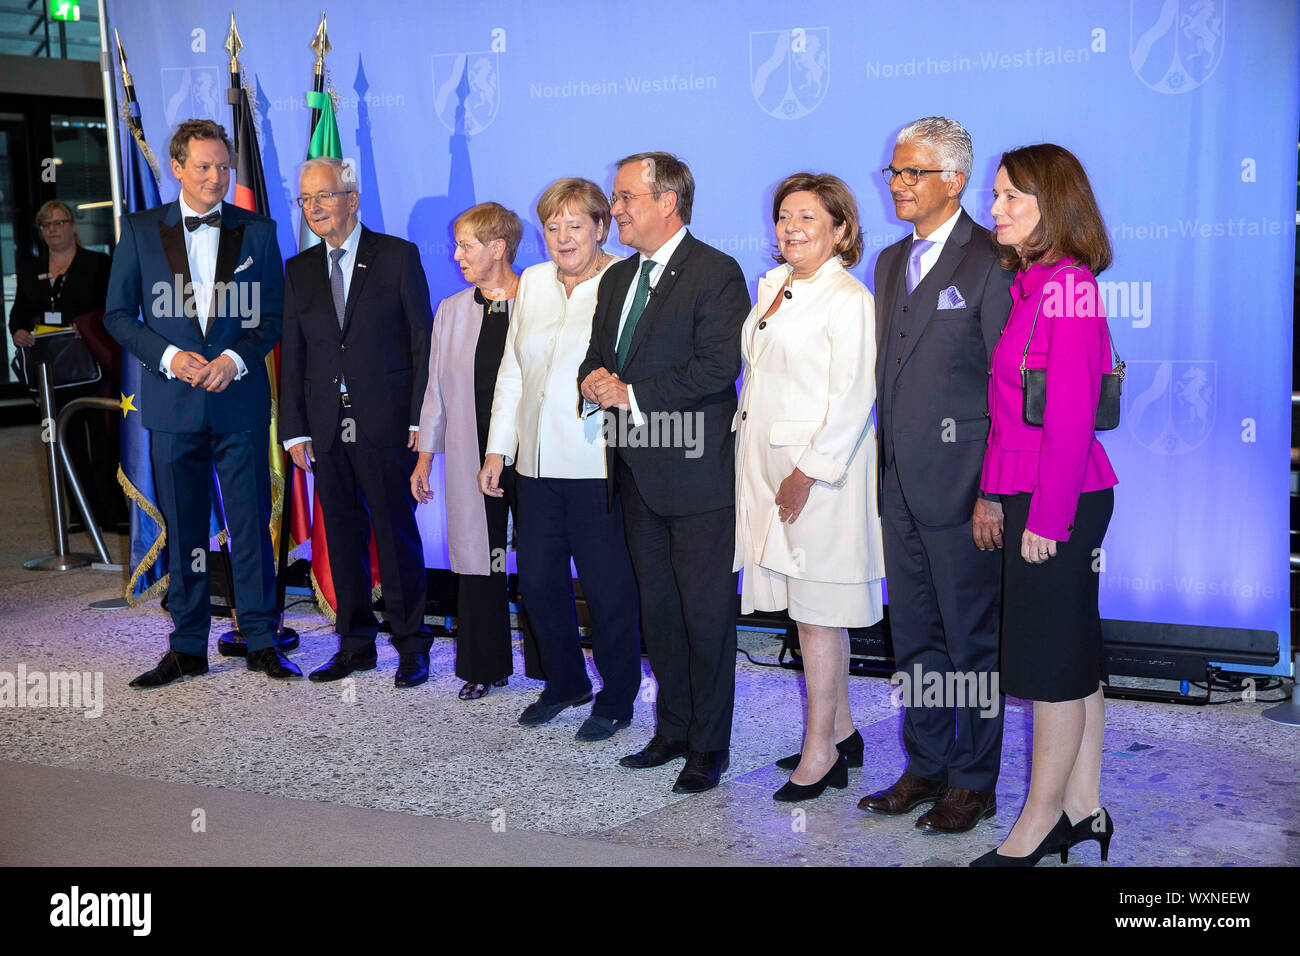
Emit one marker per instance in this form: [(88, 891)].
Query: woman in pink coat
[(1055, 485), (469, 335)]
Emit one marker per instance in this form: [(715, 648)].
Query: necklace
[(571, 284)]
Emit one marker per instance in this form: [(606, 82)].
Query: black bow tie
[(211, 219)]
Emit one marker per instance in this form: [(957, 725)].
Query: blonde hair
[(580, 196), (49, 206)]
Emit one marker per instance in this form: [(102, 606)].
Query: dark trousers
[(561, 518), (688, 599), (483, 652), (943, 615), (362, 484), (182, 467)]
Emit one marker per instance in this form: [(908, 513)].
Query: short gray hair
[(344, 171), (946, 137)]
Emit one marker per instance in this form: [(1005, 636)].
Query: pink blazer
[(1063, 458)]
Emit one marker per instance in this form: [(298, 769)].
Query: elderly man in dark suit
[(663, 360), (941, 302), (209, 279), (355, 361)]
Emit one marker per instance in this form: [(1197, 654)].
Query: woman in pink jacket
[(1055, 485)]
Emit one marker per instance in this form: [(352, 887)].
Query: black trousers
[(182, 468), (688, 601), (483, 651), (360, 484), (561, 518), (943, 615)]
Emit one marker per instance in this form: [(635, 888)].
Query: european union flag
[(148, 540)]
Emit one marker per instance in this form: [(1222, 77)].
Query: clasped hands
[(198, 372), (606, 389)]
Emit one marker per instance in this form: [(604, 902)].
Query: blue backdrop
[(1183, 111)]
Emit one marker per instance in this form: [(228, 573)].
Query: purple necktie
[(914, 262)]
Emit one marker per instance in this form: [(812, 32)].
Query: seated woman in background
[(66, 286)]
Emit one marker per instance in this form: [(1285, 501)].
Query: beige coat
[(806, 400)]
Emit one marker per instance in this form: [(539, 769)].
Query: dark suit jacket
[(245, 316), (382, 351), (943, 372), (684, 358)]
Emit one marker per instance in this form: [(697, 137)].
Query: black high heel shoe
[(1086, 829), (851, 746), (837, 777), (1058, 838)]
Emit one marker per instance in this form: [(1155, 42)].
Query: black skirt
[(1051, 629)]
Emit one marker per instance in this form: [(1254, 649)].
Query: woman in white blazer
[(807, 526), (560, 460)]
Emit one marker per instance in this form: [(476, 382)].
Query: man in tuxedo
[(665, 341), (355, 360), (941, 302), (210, 281)]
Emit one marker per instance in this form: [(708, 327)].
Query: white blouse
[(536, 425)]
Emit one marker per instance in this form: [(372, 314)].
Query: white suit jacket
[(806, 401)]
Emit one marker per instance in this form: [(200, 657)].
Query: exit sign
[(64, 10)]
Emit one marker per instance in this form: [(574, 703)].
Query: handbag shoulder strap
[(1118, 363)]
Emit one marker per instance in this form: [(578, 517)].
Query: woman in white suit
[(807, 527)]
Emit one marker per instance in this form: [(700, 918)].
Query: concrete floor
[(1187, 786)]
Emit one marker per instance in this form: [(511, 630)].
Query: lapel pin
[(361, 265)]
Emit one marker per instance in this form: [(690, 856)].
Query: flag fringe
[(159, 587)]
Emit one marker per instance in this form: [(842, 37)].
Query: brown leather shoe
[(958, 810), (906, 792)]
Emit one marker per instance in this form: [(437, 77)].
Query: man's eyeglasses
[(55, 223), (625, 198), (320, 198), (910, 176)]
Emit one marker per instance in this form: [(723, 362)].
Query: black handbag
[(1033, 381), (68, 357)]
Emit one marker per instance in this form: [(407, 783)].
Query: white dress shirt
[(938, 237), (660, 258), (201, 250), (533, 422)]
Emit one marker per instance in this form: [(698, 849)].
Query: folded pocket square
[(950, 298), (245, 264)]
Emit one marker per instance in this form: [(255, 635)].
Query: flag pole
[(110, 118), (320, 45)]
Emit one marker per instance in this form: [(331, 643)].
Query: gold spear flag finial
[(121, 58), (320, 44), (233, 45)]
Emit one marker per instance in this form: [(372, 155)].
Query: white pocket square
[(244, 265), (950, 298)]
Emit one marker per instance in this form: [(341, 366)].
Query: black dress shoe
[(234, 645), (538, 713), (412, 669), (703, 770), (270, 661), (837, 776), (342, 664), (851, 746), (657, 752), (173, 666)]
